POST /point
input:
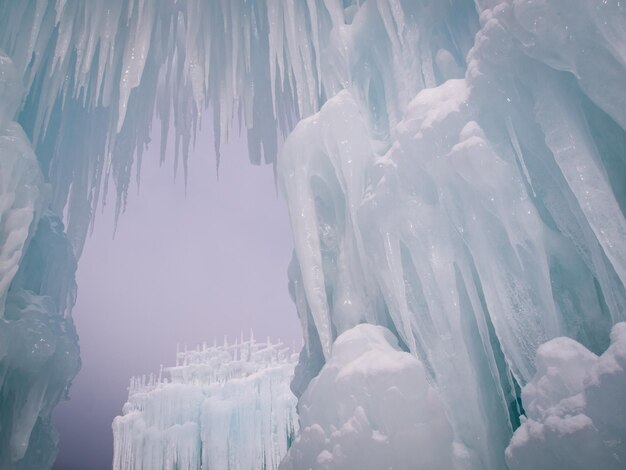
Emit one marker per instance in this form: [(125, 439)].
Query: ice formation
[(574, 407), (456, 173), (479, 217), (38, 344), (222, 407)]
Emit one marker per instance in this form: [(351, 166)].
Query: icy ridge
[(225, 406)]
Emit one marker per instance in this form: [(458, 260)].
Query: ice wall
[(474, 206), (38, 345), (223, 407), (456, 175), (86, 80), (100, 70)]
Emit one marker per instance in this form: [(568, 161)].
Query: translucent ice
[(102, 69), (224, 407)]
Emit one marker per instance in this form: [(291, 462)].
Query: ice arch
[(456, 175)]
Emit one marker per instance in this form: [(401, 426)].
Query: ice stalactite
[(102, 69), (226, 406)]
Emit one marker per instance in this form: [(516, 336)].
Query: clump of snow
[(38, 345), (576, 413), (371, 407), (11, 91)]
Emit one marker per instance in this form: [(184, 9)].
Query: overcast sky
[(181, 269)]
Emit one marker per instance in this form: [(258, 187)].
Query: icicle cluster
[(97, 72), (226, 406)]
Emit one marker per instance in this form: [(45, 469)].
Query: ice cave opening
[(187, 251), (454, 176)]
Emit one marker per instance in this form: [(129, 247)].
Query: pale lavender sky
[(181, 269)]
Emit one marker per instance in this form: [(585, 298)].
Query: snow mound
[(371, 407), (575, 408)]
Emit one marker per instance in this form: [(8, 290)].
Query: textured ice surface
[(222, 407), (456, 175), (575, 408), (22, 186)]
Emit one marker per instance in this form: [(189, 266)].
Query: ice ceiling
[(455, 173)]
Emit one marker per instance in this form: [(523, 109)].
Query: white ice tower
[(455, 177), (227, 407)]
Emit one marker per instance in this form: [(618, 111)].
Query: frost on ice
[(222, 407), (454, 173)]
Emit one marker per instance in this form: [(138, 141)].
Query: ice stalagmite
[(454, 174), (224, 407)]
